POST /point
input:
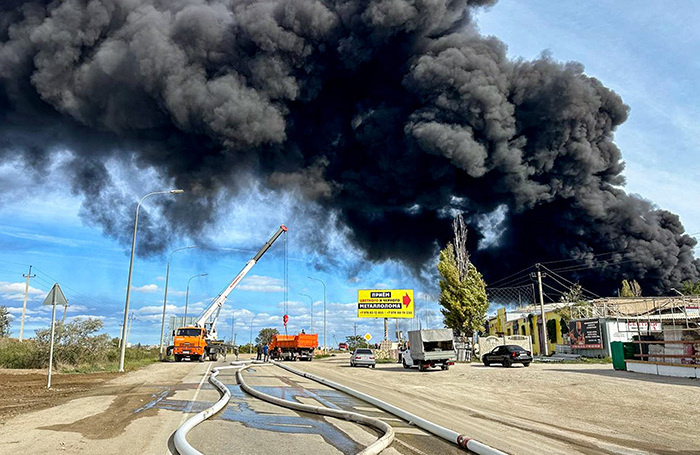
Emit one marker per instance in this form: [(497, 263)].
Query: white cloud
[(177, 293), (145, 288), (260, 283), (15, 291)]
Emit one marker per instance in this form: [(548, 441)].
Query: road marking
[(191, 404), (196, 393)]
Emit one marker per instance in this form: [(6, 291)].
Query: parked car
[(343, 346), (507, 355), (362, 357)]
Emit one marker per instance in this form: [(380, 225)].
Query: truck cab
[(189, 342)]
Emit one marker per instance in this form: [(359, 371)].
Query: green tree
[(574, 297), (5, 320), (356, 341), (630, 289), (690, 288), (462, 287), (265, 335)]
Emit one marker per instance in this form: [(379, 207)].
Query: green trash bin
[(617, 351)]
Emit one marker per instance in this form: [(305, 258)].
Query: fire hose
[(442, 432), (185, 448)]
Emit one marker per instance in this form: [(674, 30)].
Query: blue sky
[(644, 51)]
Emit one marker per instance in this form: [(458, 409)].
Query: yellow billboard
[(385, 303)]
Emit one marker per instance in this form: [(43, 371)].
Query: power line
[(578, 268), (580, 259), (76, 293), (571, 283), (510, 276)]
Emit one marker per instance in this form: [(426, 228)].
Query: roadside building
[(664, 330), (526, 321)]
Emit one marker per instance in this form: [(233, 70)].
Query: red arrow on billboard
[(406, 300)]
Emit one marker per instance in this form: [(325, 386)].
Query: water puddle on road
[(239, 410)]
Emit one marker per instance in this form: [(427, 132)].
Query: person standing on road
[(235, 351), (266, 351), (260, 350)]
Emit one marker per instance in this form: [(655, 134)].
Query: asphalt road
[(251, 426), (568, 409)]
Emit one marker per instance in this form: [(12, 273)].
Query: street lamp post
[(131, 269), (311, 301), (324, 310), (187, 294), (251, 334), (165, 298)]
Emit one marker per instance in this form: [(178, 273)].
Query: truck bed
[(432, 344), (301, 341)]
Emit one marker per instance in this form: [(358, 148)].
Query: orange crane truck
[(293, 347), (200, 340)]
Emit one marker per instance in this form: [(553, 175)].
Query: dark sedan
[(507, 355)]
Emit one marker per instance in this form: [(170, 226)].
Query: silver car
[(362, 357)]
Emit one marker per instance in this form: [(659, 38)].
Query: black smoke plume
[(392, 114)]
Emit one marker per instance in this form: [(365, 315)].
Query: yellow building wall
[(498, 325)]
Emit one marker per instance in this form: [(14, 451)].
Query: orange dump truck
[(293, 347)]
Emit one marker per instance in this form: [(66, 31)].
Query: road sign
[(368, 336), (385, 303), (55, 297), (60, 298)]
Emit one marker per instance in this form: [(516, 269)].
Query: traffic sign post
[(54, 297)]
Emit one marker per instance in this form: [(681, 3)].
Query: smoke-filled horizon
[(392, 114)]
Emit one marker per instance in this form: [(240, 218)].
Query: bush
[(77, 347), (20, 354), (75, 343)]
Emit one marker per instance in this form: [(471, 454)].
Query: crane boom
[(219, 301)]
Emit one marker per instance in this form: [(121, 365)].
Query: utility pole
[(543, 336), (24, 306), (65, 309), (128, 331), (355, 328)]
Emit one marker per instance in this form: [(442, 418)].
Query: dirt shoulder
[(25, 391), (106, 413)]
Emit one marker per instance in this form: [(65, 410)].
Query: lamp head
[(176, 191)]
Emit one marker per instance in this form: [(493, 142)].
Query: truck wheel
[(404, 364), (445, 366), (421, 367), (213, 357), (178, 357)]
